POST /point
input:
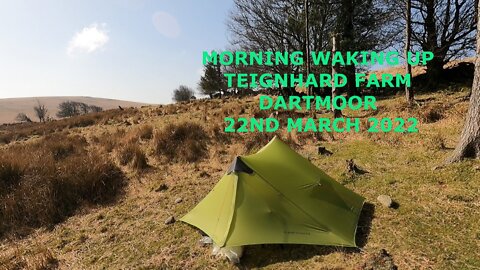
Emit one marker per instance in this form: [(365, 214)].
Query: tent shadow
[(263, 255)]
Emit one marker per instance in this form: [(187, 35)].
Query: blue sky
[(137, 50)]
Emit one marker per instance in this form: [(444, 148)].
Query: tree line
[(65, 109), (445, 27)]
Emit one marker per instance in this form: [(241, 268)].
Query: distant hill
[(10, 107)]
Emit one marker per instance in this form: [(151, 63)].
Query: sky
[(136, 50)]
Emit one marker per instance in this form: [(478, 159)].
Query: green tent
[(276, 196)]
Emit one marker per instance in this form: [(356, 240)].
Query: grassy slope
[(436, 225)]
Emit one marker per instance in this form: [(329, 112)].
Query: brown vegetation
[(103, 237), (145, 132), (46, 181), (9, 133), (185, 142), (131, 154), (36, 259)]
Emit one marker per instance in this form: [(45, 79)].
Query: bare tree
[(469, 144), (22, 117), (41, 111), (307, 41), (264, 25), (182, 93), (408, 36), (446, 28)]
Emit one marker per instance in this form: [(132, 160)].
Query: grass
[(132, 155), (436, 224), (47, 181)]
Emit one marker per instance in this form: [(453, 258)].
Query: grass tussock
[(219, 135), (183, 142), (39, 258), (108, 141), (47, 181), (145, 132), (132, 155), (436, 142), (139, 161), (431, 114)]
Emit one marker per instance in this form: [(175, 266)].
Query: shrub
[(182, 93), (7, 137), (62, 146), (49, 180), (184, 142), (218, 134), (10, 174), (74, 108), (125, 154), (23, 118), (431, 114), (132, 155)]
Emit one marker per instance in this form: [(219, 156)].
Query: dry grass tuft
[(132, 155), (47, 181), (145, 132), (436, 142), (218, 134), (139, 161), (184, 142), (108, 141), (36, 259), (431, 114), (126, 153)]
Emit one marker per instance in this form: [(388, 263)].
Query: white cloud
[(166, 24), (88, 40)]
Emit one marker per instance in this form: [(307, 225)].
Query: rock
[(170, 220), (205, 241), (162, 187), (385, 200), (178, 200), (353, 169), (204, 174), (324, 151)]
